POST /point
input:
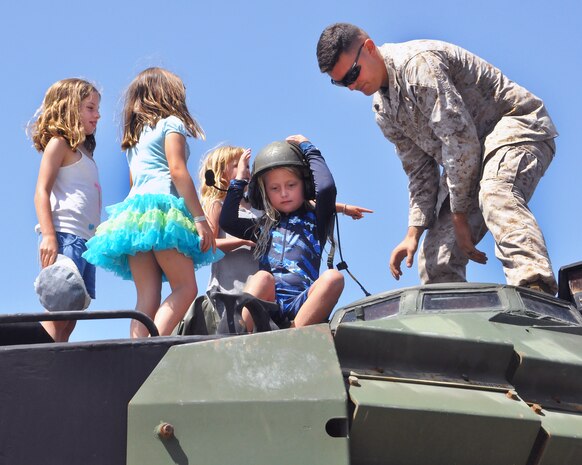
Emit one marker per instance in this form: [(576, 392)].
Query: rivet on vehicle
[(353, 381), (164, 431), (512, 395), (537, 408)]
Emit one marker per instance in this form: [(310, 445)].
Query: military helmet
[(276, 155)]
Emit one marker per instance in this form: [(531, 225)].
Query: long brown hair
[(155, 94), (59, 115)]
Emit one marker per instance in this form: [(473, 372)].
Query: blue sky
[(252, 77)]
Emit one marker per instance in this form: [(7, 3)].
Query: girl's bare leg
[(322, 297), (262, 286), (179, 270), (147, 277)]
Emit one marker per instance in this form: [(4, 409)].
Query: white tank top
[(76, 198)]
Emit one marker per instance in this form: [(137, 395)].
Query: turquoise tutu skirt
[(143, 223)]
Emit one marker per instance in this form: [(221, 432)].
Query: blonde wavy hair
[(216, 160), (155, 94), (59, 115)]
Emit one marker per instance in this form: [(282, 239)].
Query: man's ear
[(370, 46)]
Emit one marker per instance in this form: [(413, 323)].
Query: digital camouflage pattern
[(445, 107)]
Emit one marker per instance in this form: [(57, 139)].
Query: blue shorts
[(73, 246), (290, 303)]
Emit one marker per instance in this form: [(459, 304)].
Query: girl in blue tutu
[(159, 232)]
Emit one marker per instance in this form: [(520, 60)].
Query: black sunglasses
[(352, 75)]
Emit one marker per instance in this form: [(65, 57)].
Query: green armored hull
[(443, 374)]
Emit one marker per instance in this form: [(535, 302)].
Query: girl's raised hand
[(297, 138), (242, 169)]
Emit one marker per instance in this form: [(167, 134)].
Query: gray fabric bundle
[(60, 286)]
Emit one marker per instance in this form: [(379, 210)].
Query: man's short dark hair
[(335, 40)]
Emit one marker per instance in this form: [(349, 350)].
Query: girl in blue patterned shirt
[(290, 236)]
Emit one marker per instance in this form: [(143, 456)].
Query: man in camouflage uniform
[(442, 106)]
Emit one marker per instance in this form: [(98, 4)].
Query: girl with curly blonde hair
[(68, 194)]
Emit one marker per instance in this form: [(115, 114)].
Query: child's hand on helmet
[(298, 138), (242, 169)]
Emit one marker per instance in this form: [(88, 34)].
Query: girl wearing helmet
[(291, 234)]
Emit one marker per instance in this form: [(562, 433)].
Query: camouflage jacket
[(445, 106)]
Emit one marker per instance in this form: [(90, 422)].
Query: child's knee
[(261, 285), (333, 280), (266, 277), (262, 279)]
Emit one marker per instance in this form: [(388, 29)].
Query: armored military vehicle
[(440, 374)]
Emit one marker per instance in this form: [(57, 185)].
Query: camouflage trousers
[(510, 176)]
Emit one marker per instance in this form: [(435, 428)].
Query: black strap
[(232, 322), (342, 265), (331, 238)]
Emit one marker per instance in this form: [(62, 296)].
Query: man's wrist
[(414, 232)]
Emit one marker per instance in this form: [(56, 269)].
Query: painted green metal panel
[(550, 367), (409, 424), (464, 348), (563, 444), (261, 399)]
